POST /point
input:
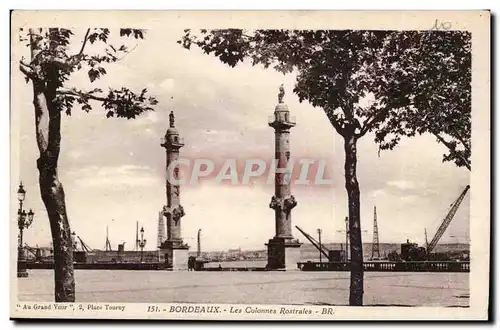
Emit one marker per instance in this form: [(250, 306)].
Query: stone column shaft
[(283, 218), (173, 210), (173, 198)]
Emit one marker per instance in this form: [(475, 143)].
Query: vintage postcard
[(271, 165)]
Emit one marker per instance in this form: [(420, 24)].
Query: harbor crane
[(331, 255), (34, 251), (198, 252), (85, 247), (375, 244), (412, 252), (346, 233), (446, 222), (108, 243)]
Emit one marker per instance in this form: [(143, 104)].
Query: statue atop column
[(281, 94), (172, 119)]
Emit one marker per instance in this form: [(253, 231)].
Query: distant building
[(234, 253)]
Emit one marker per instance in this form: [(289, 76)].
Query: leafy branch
[(419, 80), (119, 103), (51, 62)]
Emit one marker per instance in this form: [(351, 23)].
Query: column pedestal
[(283, 254), (175, 254), (21, 269), (21, 263)]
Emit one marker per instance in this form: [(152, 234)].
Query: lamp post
[(320, 257), (24, 220), (346, 239), (142, 242)]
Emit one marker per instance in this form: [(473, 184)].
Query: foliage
[(440, 97), (395, 83), (53, 64)]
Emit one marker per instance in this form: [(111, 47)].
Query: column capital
[(177, 212), (285, 204)]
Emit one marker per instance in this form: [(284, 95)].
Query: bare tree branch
[(370, 122), (26, 65), (367, 124), (75, 92), (128, 52), (26, 70), (84, 42), (452, 150), (461, 139), (333, 120)]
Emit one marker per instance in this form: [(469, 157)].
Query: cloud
[(221, 136), (118, 177), (75, 154), (409, 198), (403, 185), (152, 116), (379, 193), (168, 84), (146, 119)]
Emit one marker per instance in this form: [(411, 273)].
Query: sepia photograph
[(250, 165)]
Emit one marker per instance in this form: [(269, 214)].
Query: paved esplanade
[(176, 252), (297, 288), (282, 250)]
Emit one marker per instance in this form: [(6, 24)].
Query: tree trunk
[(53, 197), (48, 136), (352, 187)]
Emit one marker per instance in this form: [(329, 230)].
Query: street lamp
[(24, 220), (142, 242), (21, 194), (320, 247)]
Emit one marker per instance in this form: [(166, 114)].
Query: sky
[(113, 170)]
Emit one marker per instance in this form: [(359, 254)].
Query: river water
[(405, 289)]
